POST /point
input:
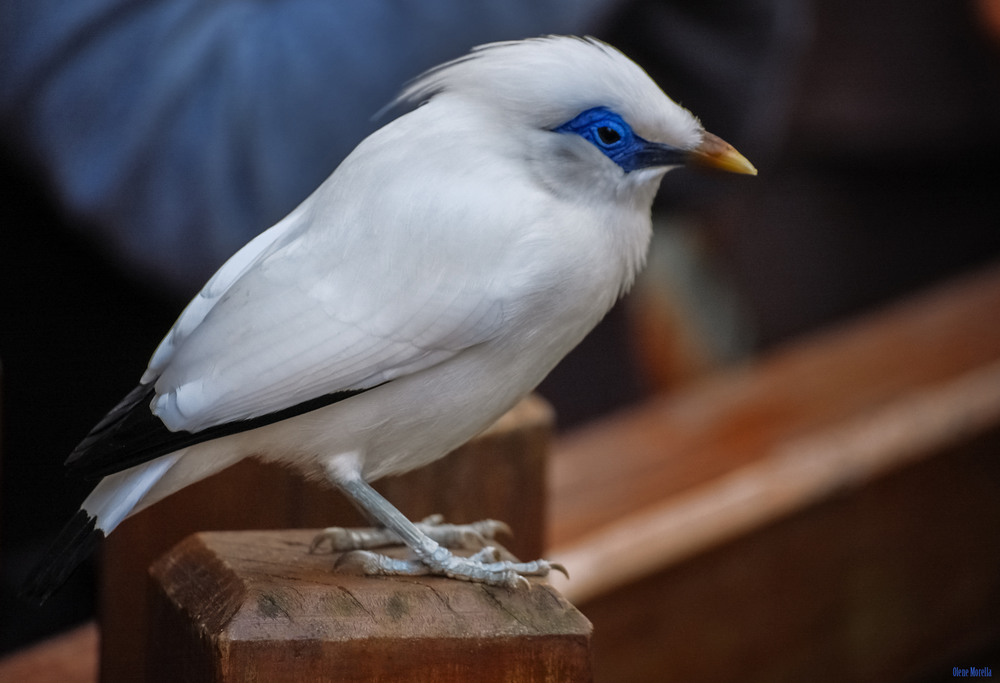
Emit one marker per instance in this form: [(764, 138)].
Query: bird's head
[(580, 108)]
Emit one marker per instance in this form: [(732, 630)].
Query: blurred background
[(142, 143)]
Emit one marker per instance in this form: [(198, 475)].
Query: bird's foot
[(483, 567), (475, 535), (432, 556)]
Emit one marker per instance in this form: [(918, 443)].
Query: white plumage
[(428, 284)]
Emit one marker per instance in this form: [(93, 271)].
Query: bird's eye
[(608, 135), (611, 134)]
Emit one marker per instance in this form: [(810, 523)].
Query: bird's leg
[(431, 557)]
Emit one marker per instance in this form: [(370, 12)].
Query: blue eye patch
[(609, 132)]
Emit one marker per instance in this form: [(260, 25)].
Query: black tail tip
[(74, 543)]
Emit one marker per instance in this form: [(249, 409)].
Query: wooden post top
[(255, 605)]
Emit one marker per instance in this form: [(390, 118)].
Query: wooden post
[(499, 475), (256, 606)]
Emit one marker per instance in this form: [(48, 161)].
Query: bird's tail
[(114, 498), (77, 540)]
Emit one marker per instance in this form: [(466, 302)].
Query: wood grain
[(239, 606)]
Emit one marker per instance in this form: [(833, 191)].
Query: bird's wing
[(294, 327), (196, 310), (299, 319), (337, 301)]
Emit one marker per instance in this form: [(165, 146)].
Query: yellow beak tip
[(714, 152)]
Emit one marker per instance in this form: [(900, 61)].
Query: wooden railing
[(830, 512)]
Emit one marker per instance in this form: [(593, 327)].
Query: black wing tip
[(131, 434), (71, 547), (102, 441)]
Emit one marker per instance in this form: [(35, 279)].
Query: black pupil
[(608, 135)]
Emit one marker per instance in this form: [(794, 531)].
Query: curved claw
[(559, 568), (499, 526), (521, 582), (319, 540), (357, 562)]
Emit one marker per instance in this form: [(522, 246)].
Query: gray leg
[(431, 556)]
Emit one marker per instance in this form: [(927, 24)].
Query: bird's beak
[(714, 152)]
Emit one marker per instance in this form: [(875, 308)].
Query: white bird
[(432, 281)]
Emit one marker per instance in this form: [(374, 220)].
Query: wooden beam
[(803, 439), (70, 657)]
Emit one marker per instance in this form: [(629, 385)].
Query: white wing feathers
[(198, 307), (286, 331), (313, 310)]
